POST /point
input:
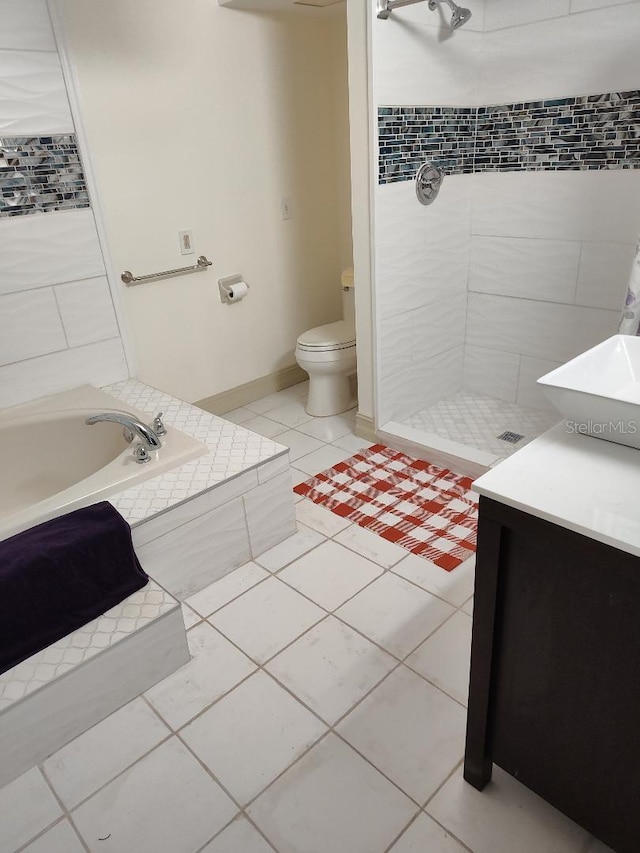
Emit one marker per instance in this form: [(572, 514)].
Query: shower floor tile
[(476, 420)]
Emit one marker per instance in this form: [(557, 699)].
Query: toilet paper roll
[(238, 291)]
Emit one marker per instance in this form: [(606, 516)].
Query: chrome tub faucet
[(148, 437)]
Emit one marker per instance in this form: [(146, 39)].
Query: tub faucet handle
[(141, 454), (158, 426)]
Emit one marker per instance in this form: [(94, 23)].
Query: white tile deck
[(380, 781)]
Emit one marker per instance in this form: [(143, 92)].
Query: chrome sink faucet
[(148, 437)]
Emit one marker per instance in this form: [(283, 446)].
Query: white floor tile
[(352, 443), (395, 614), (266, 618), (291, 413), (489, 821), (455, 586), (299, 444), (60, 839), (27, 806), (445, 658), (238, 416), (330, 574), (468, 606), (240, 837), (410, 731), (371, 546), (332, 800), (330, 668), (113, 745), (167, 801), (322, 459), (327, 429), (215, 668), (292, 548), (221, 592), (319, 518), (279, 398), (190, 618), (252, 735), (264, 426), (425, 836), (298, 477)]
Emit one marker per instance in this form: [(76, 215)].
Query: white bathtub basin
[(598, 392), (51, 462)]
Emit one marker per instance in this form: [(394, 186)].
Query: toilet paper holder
[(228, 287)]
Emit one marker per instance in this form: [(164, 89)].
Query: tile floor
[(323, 711)]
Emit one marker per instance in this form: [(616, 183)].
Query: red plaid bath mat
[(428, 510)]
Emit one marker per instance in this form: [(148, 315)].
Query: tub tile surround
[(54, 293)]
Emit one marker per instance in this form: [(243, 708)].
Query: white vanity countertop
[(582, 483), (232, 451)]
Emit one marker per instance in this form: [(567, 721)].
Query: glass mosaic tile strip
[(39, 174), (588, 132)]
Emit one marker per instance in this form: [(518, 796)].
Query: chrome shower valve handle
[(428, 182)]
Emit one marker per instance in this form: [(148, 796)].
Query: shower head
[(460, 15)]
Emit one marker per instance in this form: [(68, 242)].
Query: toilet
[(328, 354)]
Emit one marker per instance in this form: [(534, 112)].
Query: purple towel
[(58, 576)]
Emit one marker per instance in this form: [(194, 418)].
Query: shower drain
[(511, 437)]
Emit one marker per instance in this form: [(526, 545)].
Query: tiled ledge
[(234, 451)]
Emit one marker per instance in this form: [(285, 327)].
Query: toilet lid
[(333, 336)]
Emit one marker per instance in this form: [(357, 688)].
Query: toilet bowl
[(328, 355)]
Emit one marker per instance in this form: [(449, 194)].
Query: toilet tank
[(348, 297)]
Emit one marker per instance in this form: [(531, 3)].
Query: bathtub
[(51, 462)]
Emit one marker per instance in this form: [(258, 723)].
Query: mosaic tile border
[(584, 133), (39, 174)]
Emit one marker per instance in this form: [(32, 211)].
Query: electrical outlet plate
[(186, 242)]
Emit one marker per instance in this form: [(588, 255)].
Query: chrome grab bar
[(132, 280)]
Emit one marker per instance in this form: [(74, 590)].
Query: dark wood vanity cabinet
[(554, 694)]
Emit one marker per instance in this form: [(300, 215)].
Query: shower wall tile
[(599, 206), (30, 325), (97, 364), (491, 372), (33, 98), (48, 249), (416, 62), (571, 133), (438, 376), (574, 54), (505, 13), (529, 392), (87, 311), (589, 5), (26, 26), (438, 326), (519, 267), (604, 274), (536, 329)]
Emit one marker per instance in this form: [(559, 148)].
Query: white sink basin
[(598, 392)]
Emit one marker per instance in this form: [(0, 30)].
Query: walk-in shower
[(521, 259), (459, 17)]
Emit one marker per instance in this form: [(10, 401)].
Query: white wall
[(538, 261), (204, 117), (58, 326)]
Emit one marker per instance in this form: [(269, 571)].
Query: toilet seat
[(329, 338)]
